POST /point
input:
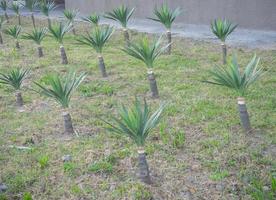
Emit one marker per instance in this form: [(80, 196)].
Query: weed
[(101, 167), (43, 161)]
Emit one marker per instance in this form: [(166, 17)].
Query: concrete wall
[(253, 14)]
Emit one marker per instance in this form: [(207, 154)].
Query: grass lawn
[(198, 151)]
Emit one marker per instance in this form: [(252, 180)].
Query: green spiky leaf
[(4, 5), (13, 31), (47, 7), (14, 78), (121, 14), (97, 38), (31, 4), (37, 35), (233, 78), (58, 31), (70, 15), (165, 15), (16, 6), (222, 28), (146, 51), (61, 88), (93, 19), (136, 121)]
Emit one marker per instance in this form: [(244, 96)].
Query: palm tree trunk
[(17, 45), (126, 36), (19, 20), (33, 19), (68, 127), (49, 22), (40, 51), (1, 38), (244, 115), (169, 38), (7, 17), (19, 99), (64, 59), (153, 84), (143, 168), (224, 53), (102, 66), (74, 30)]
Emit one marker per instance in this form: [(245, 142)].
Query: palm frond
[(31, 4), (97, 38), (136, 121), (58, 31), (222, 28), (121, 14), (14, 78), (92, 19), (16, 6), (47, 7), (13, 31), (146, 51), (166, 16), (61, 88), (3, 5), (37, 35), (233, 78), (70, 15)]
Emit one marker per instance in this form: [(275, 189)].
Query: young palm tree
[(60, 89), (122, 15), (16, 6), (136, 123), (15, 79), (147, 52), (166, 16), (4, 7), (37, 35), (46, 8), (14, 32), (93, 19), (2, 22), (58, 32), (239, 81), (71, 15), (97, 39), (222, 29), (31, 5)]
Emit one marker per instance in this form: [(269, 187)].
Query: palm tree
[(60, 89), (31, 5), (16, 6), (97, 39), (14, 32), (122, 15), (58, 32), (93, 19), (147, 52), (2, 22), (239, 81), (37, 35), (166, 16), (136, 123), (15, 79), (46, 8), (4, 7), (222, 29), (71, 15)]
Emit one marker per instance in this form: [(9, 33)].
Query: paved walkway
[(241, 37)]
